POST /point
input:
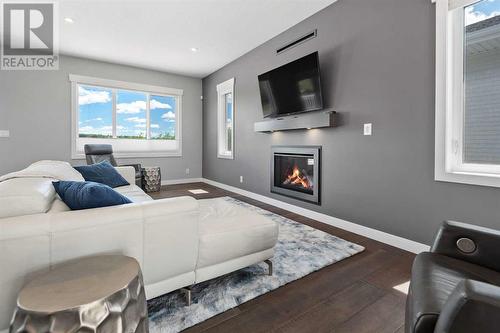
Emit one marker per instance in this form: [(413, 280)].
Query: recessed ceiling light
[(194, 49), (68, 20)]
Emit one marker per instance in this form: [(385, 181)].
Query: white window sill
[(226, 156), (130, 148), (482, 179), (81, 156)]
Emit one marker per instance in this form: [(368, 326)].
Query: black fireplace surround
[(295, 172)]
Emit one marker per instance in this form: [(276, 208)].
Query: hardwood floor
[(354, 295)]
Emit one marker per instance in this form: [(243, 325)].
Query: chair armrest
[(473, 306), (487, 243), (136, 166), (127, 172)]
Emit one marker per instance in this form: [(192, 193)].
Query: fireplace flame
[(297, 178)]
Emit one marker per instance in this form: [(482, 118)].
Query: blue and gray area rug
[(300, 251)]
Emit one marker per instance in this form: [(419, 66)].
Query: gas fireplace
[(295, 172)]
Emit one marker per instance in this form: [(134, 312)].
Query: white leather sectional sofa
[(178, 242)]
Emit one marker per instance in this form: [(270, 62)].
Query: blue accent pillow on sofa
[(102, 172), (85, 195)]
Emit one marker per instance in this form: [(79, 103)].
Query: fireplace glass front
[(295, 172)]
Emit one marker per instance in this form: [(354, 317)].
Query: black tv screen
[(292, 88)]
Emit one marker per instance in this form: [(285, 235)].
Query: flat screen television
[(292, 88)]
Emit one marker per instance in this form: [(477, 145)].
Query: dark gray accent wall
[(36, 107), (377, 66)]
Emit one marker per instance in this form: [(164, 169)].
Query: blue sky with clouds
[(95, 116), (162, 117), (229, 108), (131, 113), (482, 10)]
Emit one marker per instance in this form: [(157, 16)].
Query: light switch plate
[(4, 133), (367, 129)]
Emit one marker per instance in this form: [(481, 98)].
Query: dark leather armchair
[(456, 286), (95, 153)]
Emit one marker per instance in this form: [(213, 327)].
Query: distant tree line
[(141, 136)]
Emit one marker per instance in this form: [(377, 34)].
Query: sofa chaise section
[(232, 237)]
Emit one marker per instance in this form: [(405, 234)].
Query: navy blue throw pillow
[(85, 195), (102, 172)]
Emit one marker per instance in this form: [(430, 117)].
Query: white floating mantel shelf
[(308, 120)]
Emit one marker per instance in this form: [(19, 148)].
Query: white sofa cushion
[(58, 206), (24, 196), (134, 193), (47, 169), (30, 191), (228, 231)]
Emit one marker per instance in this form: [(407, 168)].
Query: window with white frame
[(225, 119), (468, 91), (138, 120)]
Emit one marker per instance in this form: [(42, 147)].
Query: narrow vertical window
[(225, 119), (228, 102)]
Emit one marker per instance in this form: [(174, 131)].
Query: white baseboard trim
[(393, 240), (181, 181)]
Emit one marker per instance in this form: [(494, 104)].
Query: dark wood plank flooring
[(354, 295)]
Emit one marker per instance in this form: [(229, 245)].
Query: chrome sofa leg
[(270, 266), (187, 294)]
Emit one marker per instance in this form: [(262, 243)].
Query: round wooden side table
[(94, 294)]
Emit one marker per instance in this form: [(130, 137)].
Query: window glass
[(163, 117), (95, 112), (131, 120), (229, 121), (481, 125)]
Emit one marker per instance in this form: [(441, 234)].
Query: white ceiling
[(160, 34)]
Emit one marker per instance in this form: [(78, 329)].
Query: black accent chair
[(95, 153), (455, 288)]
